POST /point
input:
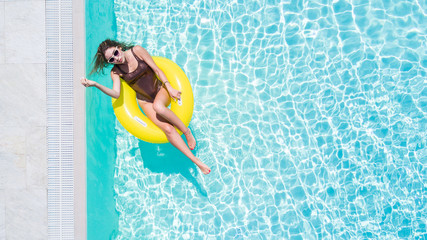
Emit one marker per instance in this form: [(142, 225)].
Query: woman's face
[(114, 55)]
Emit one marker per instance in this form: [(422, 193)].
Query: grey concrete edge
[(79, 57)]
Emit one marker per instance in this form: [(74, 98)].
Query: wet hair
[(99, 61)]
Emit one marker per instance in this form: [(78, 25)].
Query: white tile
[(12, 140), (26, 214), (2, 215), (2, 32), (25, 101), (35, 141), (36, 172), (36, 159), (25, 28), (13, 175), (21, 0), (12, 158)]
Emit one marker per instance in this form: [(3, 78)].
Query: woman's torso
[(143, 79)]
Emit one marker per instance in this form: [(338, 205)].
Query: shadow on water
[(166, 159)]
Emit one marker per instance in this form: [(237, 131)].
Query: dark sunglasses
[(115, 54)]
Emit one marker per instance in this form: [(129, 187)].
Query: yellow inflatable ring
[(135, 122)]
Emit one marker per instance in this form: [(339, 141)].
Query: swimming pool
[(311, 114)]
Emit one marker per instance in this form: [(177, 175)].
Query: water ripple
[(311, 114)]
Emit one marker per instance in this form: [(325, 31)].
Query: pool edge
[(79, 56)]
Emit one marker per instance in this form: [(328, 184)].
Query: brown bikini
[(143, 80)]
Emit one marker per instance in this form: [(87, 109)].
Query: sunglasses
[(115, 54)]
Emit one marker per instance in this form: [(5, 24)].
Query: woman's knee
[(167, 129), (158, 107)]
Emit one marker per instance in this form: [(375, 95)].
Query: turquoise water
[(102, 217), (311, 114)]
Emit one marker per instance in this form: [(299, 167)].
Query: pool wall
[(102, 218)]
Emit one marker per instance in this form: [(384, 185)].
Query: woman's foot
[(190, 139), (203, 167)]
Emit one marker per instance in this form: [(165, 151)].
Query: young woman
[(135, 65)]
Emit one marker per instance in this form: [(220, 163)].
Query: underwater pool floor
[(311, 114)]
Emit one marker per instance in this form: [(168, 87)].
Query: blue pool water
[(311, 114)]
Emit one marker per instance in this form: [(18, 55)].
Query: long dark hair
[(99, 62)]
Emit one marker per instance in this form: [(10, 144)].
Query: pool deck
[(23, 158), (23, 121)]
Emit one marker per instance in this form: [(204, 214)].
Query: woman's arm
[(114, 92), (144, 55)]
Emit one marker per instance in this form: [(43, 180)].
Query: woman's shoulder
[(140, 52), (138, 48)]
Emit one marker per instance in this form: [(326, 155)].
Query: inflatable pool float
[(135, 122)]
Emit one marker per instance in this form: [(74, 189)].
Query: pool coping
[(79, 57)]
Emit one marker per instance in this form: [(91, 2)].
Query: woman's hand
[(87, 83), (175, 94)]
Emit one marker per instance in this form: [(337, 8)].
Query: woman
[(135, 65)]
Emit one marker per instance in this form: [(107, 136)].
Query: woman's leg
[(172, 135), (160, 104)]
